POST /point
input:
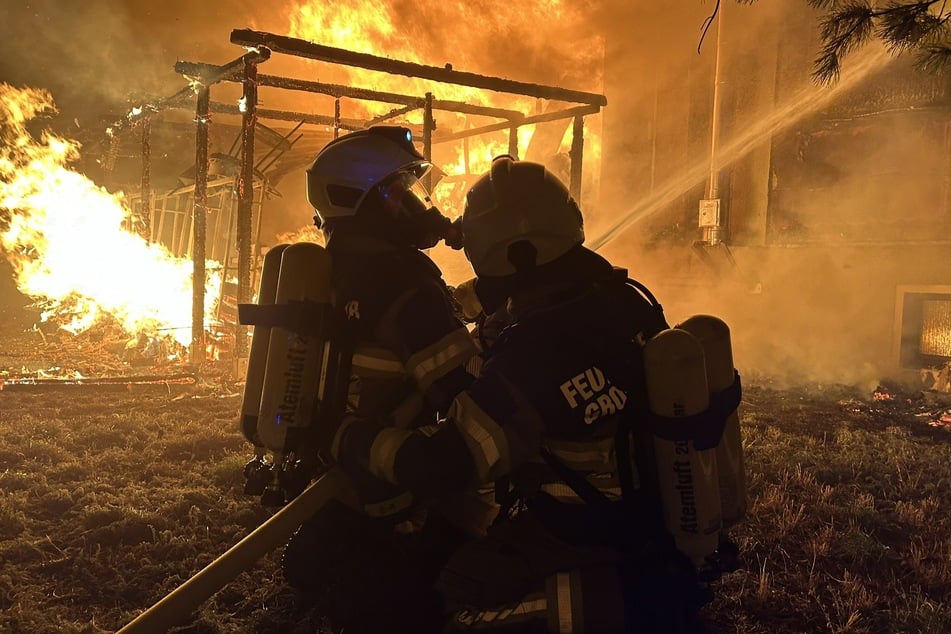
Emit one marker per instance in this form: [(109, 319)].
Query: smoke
[(826, 213), (98, 55)]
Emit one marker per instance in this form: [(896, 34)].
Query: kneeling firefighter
[(407, 353), (558, 420)]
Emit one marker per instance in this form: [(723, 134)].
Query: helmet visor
[(409, 204), (405, 195)]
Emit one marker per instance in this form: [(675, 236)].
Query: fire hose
[(291, 320), (274, 532)]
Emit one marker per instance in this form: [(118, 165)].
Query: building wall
[(832, 197)]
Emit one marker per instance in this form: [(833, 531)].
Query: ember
[(943, 421), (882, 394)]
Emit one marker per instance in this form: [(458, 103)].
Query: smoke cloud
[(829, 193), (96, 56)]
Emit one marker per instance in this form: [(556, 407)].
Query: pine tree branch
[(842, 31), (904, 26), (934, 58)]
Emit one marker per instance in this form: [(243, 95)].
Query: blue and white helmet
[(349, 167)]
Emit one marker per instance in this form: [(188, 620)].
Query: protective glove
[(465, 294), (352, 442), (453, 235)]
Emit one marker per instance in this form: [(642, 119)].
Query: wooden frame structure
[(244, 70)]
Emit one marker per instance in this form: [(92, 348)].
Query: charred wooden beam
[(286, 115), (191, 69), (246, 198), (336, 117), (209, 74), (555, 115), (114, 382), (179, 98), (392, 113), (339, 91), (468, 108), (310, 50), (199, 214), (429, 124), (145, 194), (410, 102), (576, 154)]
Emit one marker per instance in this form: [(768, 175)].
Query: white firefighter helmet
[(349, 167), (516, 204)]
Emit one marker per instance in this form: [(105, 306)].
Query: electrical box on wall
[(709, 213)]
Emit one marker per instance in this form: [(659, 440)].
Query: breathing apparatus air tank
[(257, 356), (687, 477), (714, 336), (295, 353)]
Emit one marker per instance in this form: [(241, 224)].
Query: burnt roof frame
[(591, 103), (243, 69)]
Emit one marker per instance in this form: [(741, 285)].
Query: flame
[(307, 233), (387, 29), (550, 36), (65, 239)]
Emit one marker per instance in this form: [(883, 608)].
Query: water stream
[(803, 103)]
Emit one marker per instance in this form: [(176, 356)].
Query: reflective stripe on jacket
[(558, 378)]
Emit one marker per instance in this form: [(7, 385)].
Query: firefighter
[(410, 351), (579, 543)]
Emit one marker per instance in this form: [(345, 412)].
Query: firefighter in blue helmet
[(410, 352), (552, 420)]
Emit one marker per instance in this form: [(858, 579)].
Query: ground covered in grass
[(111, 496)]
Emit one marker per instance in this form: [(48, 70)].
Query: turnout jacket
[(409, 347), (559, 380)]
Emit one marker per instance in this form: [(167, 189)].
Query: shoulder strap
[(649, 298), (578, 483)]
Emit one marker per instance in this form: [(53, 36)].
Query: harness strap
[(705, 429), (304, 318), (578, 483), (622, 451)]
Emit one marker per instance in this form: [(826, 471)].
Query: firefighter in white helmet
[(409, 360), (579, 543)]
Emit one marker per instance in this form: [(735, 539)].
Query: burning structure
[(180, 221), (212, 214)]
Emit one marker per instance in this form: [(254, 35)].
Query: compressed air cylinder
[(714, 335), (294, 359), (260, 338), (687, 477)]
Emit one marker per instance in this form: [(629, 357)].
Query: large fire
[(66, 238), (70, 241), (413, 34), (494, 38)]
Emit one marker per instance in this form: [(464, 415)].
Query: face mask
[(410, 205)]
